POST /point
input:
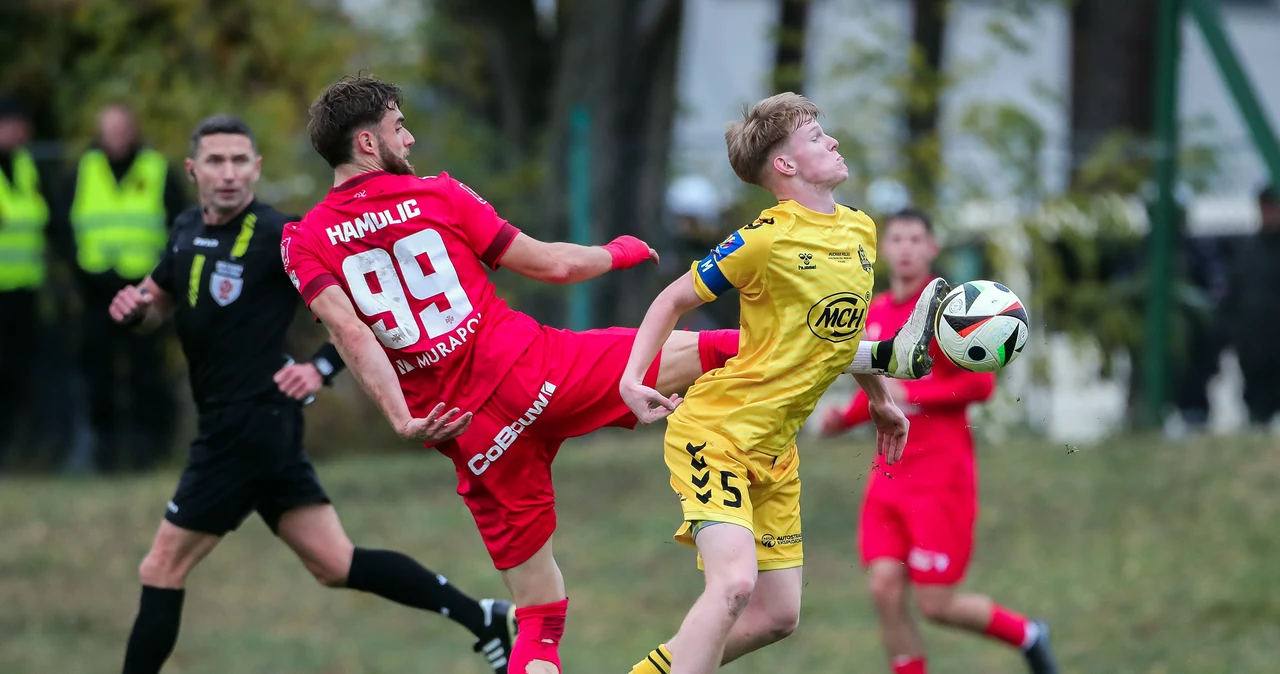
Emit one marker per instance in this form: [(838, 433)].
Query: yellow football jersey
[(805, 281)]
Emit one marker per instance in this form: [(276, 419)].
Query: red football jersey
[(410, 253)]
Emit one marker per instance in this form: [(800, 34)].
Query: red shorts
[(565, 385), (930, 532)]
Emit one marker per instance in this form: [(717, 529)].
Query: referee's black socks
[(396, 576), (155, 630)]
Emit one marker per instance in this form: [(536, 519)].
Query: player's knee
[(330, 579), (887, 587), (783, 622), (161, 569), (735, 590), (935, 608), (329, 573)]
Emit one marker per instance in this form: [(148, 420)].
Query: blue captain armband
[(709, 269), (711, 276)]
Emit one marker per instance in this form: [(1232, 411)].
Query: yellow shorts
[(717, 482)]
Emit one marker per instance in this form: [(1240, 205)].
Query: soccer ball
[(982, 326)]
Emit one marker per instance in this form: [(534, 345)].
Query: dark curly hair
[(348, 105)]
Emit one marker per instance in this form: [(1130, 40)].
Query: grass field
[(1145, 556)]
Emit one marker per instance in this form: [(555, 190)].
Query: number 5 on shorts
[(725, 476)]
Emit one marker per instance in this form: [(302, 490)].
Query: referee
[(221, 280)]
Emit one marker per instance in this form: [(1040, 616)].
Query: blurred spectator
[(1252, 311), (24, 216), (123, 198), (697, 210), (1205, 270)]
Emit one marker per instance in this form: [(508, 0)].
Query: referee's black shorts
[(246, 457)]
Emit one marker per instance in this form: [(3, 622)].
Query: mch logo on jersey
[(838, 317)]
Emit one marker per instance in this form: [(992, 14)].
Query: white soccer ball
[(982, 326)]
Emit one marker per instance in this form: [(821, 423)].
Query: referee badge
[(226, 282)]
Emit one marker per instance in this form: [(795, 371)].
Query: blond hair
[(766, 125)]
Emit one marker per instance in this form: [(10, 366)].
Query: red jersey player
[(395, 266), (918, 517)]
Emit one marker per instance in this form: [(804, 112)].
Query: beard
[(393, 163)]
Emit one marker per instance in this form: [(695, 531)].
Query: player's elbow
[(345, 335), (559, 271), (545, 264)]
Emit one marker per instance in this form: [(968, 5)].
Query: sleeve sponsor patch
[(726, 247)]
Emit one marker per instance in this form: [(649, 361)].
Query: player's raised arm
[(363, 353), (143, 307), (646, 403), (571, 263), (499, 243)]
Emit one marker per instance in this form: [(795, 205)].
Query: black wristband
[(327, 362)]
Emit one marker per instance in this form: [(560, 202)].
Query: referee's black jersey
[(233, 302)]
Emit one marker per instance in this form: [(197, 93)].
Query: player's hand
[(437, 427), (898, 391), (299, 381), (831, 423), (129, 305), (646, 403), (628, 251), (891, 430)]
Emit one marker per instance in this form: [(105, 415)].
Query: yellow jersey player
[(804, 272)]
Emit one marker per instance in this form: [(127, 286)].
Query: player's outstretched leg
[(772, 615), (163, 572), (316, 535), (687, 355), (538, 588), (906, 355), (980, 614), (729, 556), (888, 582)]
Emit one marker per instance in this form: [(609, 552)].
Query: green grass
[(1145, 556)]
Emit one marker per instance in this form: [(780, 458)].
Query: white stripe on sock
[(1032, 633)]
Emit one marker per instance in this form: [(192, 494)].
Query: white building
[(728, 50)]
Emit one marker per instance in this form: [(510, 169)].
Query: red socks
[(908, 665), (715, 347), (1007, 626), (541, 628)]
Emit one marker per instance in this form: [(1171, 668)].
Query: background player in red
[(918, 517)]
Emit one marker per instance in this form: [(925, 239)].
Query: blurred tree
[(520, 73), (927, 82), (494, 59), (1112, 68), (175, 62), (789, 48), (178, 61)]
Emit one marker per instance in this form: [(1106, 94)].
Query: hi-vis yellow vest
[(23, 216), (120, 225)]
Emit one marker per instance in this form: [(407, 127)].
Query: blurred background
[(1115, 163)]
